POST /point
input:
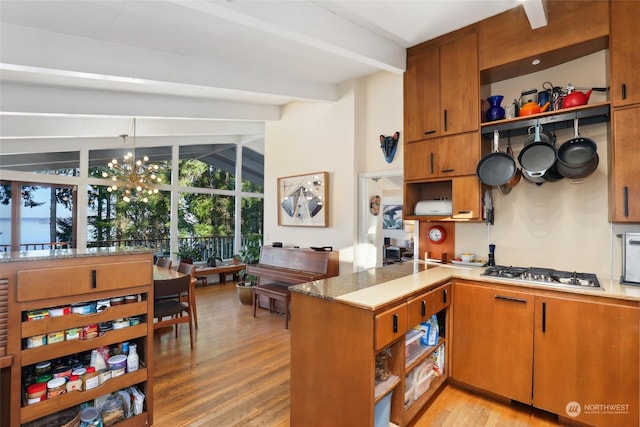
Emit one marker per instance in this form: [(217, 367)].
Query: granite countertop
[(373, 288), (38, 255)]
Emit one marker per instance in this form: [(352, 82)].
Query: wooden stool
[(274, 292)]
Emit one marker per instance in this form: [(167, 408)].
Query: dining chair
[(189, 269), (163, 262), (169, 309)]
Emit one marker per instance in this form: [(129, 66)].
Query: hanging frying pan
[(578, 156), (536, 158), (497, 168)]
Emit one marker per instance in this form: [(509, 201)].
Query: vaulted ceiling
[(197, 72)]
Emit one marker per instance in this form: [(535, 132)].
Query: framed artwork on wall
[(392, 217), (303, 200)]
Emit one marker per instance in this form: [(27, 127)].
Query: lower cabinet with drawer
[(355, 366), (63, 311)]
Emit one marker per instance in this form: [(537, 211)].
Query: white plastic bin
[(382, 413)]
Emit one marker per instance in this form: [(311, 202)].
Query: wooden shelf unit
[(337, 366), (45, 283)]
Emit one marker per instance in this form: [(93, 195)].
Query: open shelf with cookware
[(559, 119)]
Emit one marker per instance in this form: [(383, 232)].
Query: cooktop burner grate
[(544, 275)]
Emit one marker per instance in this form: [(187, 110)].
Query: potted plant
[(249, 254), (189, 251)]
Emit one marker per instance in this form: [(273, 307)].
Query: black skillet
[(497, 168)]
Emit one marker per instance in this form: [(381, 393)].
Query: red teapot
[(575, 98)]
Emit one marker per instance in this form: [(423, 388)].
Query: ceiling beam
[(35, 99), (147, 69), (309, 24), (536, 13)]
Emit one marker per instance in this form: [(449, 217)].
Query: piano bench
[(273, 291)]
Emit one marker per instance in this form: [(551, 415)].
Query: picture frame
[(392, 217), (303, 200)]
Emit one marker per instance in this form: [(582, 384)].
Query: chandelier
[(135, 177)]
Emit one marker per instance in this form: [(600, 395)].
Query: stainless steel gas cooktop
[(544, 276)]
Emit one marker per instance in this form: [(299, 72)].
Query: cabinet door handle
[(395, 323), (506, 298), (624, 91), (445, 120), (444, 296), (544, 317), (463, 212), (431, 163), (429, 132), (423, 308), (447, 170), (94, 279), (625, 200)]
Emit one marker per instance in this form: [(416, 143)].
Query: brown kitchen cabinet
[(441, 89), (337, 365), (36, 284), (442, 157), (492, 346), (465, 193), (586, 350), (549, 349), (624, 166), (625, 56)]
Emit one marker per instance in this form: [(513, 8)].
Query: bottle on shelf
[(133, 360)]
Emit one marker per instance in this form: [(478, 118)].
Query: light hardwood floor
[(238, 375)]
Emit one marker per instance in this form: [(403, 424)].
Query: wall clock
[(437, 234)]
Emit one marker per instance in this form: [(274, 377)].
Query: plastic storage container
[(412, 344), (382, 412)]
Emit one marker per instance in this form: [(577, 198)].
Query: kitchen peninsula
[(342, 326)]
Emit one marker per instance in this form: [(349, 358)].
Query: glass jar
[(56, 387), (112, 411), (43, 372)]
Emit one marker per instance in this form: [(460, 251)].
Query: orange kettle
[(531, 108)]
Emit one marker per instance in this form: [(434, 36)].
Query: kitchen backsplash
[(561, 225)]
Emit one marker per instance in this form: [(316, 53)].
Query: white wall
[(314, 137)]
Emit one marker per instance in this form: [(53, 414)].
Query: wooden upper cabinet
[(442, 157), (459, 85), (422, 95), (442, 89), (625, 55), (624, 166)]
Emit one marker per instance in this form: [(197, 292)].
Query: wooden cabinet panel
[(442, 157), (442, 298), (587, 352), (624, 166), (422, 95), (625, 55), (467, 197), (390, 325), (459, 85), (493, 339), (420, 309), (441, 89), (53, 282)]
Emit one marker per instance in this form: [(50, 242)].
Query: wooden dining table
[(163, 273)]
